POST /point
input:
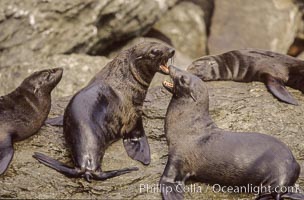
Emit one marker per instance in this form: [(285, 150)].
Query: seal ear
[(277, 88), (6, 154), (193, 96), (136, 144)]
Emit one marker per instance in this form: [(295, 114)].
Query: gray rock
[(54, 26), (208, 7), (78, 70), (263, 24), (184, 25)]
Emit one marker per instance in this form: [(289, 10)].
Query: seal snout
[(163, 66), (171, 52), (58, 71), (55, 74)]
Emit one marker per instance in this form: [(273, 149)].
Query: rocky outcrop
[(51, 27), (184, 25), (263, 24)]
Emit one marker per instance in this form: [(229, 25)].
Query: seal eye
[(184, 80), (46, 75), (155, 52)]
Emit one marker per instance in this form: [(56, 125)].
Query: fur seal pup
[(108, 109), (23, 111), (215, 156), (274, 69)]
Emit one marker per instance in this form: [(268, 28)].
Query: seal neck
[(193, 113), (137, 75)]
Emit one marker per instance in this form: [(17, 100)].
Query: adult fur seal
[(274, 69), (108, 109), (23, 111), (215, 156)]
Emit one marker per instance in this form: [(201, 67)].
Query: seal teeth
[(164, 69), (168, 84)]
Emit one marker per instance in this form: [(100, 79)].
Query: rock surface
[(78, 70), (184, 25), (263, 24), (246, 107), (50, 27)]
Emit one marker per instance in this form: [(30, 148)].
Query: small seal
[(23, 111), (108, 109), (215, 156), (274, 69)]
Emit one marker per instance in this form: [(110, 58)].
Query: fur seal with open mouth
[(215, 156), (23, 111), (108, 109), (246, 65)]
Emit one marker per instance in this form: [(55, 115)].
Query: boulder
[(263, 24), (185, 27), (51, 27), (208, 7)]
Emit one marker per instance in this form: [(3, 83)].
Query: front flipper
[(58, 166), (56, 121), (172, 191), (173, 180), (277, 88), (136, 144), (6, 154)]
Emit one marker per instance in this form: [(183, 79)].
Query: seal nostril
[(171, 52)]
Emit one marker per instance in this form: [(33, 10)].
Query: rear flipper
[(277, 88), (6, 154), (56, 121), (294, 196), (136, 144), (110, 174), (58, 166), (77, 173)]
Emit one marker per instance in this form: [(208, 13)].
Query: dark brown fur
[(274, 69)]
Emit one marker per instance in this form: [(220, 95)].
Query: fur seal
[(246, 65), (217, 156), (23, 111), (109, 108)]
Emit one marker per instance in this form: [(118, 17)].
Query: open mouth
[(169, 86), (164, 69)]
